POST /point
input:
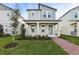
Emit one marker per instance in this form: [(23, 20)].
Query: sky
[(61, 7)]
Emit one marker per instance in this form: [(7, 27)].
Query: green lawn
[(72, 39), (31, 47)]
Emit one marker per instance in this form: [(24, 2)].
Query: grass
[(31, 47), (72, 39)]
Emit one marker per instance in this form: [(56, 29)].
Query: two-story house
[(70, 22), (42, 21)]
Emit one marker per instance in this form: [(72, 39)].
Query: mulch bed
[(11, 45)]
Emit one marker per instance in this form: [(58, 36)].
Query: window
[(33, 28), (6, 30), (44, 14), (6, 26), (7, 14), (33, 13), (43, 28), (49, 14), (76, 15), (75, 28)]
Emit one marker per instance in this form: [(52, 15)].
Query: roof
[(74, 20), (68, 11), (33, 9), (42, 20), (45, 6), (40, 9)]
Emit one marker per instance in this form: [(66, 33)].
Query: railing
[(73, 33)]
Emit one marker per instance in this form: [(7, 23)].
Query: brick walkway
[(70, 48)]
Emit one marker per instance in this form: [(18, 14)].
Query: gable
[(75, 9), (44, 7)]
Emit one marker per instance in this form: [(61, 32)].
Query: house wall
[(65, 23), (29, 30), (5, 21), (38, 14)]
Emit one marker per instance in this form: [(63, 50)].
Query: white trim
[(46, 14)]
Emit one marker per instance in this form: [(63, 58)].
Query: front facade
[(70, 22), (42, 21)]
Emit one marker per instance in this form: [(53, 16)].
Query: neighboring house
[(70, 22), (5, 15), (42, 21)]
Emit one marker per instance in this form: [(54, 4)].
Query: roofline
[(67, 12), (33, 9), (45, 6), (12, 10), (40, 9), (74, 20), (42, 20)]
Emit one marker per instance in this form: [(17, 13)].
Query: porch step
[(52, 36)]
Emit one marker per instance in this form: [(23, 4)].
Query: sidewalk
[(70, 48)]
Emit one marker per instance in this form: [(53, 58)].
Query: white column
[(77, 28), (37, 28), (58, 29)]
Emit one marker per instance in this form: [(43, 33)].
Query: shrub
[(37, 37), (6, 35)]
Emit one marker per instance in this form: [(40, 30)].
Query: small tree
[(23, 30), (14, 18)]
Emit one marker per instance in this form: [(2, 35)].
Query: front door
[(50, 29)]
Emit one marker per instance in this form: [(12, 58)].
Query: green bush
[(37, 37)]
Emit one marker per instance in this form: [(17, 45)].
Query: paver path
[(67, 46)]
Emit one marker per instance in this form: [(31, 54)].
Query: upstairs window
[(49, 14), (33, 13), (76, 15), (44, 14)]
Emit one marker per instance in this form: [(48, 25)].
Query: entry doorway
[(50, 29)]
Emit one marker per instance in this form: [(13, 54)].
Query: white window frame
[(32, 13), (47, 12), (43, 14), (33, 27), (50, 14), (43, 28), (76, 14)]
